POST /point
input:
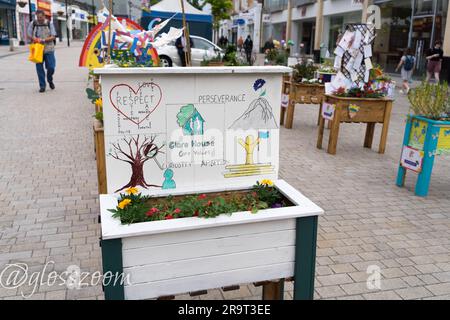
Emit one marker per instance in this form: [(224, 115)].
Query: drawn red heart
[(145, 86)]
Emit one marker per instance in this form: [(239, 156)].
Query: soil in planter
[(206, 205)]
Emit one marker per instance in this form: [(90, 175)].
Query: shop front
[(7, 21)]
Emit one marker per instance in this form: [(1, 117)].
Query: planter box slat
[(205, 234), (210, 264), (207, 248), (208, 281)]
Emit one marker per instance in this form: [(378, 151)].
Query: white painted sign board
[(190, 128), (411, 159)]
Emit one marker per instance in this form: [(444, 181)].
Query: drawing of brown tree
[(136, 153)]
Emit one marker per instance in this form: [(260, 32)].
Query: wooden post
[(99, 141), (187, 53), (289, 20), (334, 130), (402, 171), (291, 106), (370, 130), (384, 130), (108, 55), (273, 290), (446, 44), (319, 25), (305, 257)]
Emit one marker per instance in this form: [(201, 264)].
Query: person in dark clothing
[(248, 48), (180, 44), (269, 45), (434, 57)]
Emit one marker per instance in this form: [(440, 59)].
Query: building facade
[(7, 21), (245, 20), (403, 23)]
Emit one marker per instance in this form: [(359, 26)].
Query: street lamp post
[(67, 26)]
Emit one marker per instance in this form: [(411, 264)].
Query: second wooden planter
[(357, 110)]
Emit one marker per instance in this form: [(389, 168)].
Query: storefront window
[(336, 26)]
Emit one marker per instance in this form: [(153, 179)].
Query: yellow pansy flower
[(98, 102), (122, 204), (267, 182), (132, 190)]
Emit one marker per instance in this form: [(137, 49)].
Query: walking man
[(42, 31), (248, 48)]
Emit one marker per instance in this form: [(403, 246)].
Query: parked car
[(202, 49)]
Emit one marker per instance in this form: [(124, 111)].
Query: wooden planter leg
[(384, 130), (113, 269), (429, 150), (321, 129), (320, 113), (401, 174), (305, 258), (334, 134), (290, 109), (273, 290), (370, 130), (282, 115)]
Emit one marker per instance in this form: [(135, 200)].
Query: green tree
[(199, 4), (220, 10)]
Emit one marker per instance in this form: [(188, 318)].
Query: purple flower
[(276, 205), (258, 84)]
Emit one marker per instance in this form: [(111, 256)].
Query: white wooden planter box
[(177, 256)]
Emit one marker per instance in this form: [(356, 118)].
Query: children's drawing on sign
[(136, 106), (168, 183), (259, 114), (190, 120), (136, 151), (249, 168), (328, 111), (352, 110), (249, 146)]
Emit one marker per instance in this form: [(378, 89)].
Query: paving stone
[(413, 293)]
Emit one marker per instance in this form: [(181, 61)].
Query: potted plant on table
[(427, 133)]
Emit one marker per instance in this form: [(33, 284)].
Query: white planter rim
[(195, 70), (113, 229)]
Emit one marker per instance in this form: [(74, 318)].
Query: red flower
[(176, 211), (168, 217), (152, 211), (196, 213), (209, 204), (202, 196)]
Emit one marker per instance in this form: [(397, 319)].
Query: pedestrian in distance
[(43, 31), (407, 64), (180, 44), (248, 48), (434, 61), (240, 44)]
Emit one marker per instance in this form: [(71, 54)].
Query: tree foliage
[(220, 10)]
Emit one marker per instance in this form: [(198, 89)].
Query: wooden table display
[(430, 138), (371, 111), (303, 93)]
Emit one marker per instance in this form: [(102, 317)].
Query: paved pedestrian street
[(49, 201)]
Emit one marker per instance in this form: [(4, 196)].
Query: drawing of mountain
[(258, 115)]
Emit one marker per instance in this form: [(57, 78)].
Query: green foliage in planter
[(431, 100), (92, 95), (99, 116), (304, 70), (134, 207)]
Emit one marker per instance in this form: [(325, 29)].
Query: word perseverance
[(224, 98)]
